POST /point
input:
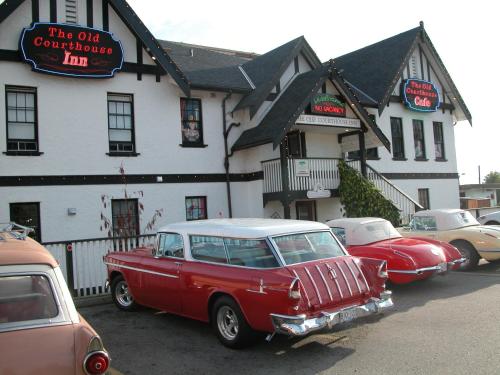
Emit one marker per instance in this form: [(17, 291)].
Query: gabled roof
[(210, 68), (292, 102), (266, 70), (373, 71), (133, 22)]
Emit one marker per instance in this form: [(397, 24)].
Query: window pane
[(11, 99), (21, 131), (171, 245), (30, 115), (127, 108), (112, 122), (418, 138), (124, 217), (112, 107), (250, 253), (30, 101), (116, 135), (196, 208), (21, 115), (209, 249), (21, 100), (127, 122), (27, 214), (26, 298), (12, 115)]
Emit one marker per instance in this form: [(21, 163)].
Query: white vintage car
[(459, 228), (492, 218)]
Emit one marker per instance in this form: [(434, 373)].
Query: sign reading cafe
[(70, 50), (420, 95)]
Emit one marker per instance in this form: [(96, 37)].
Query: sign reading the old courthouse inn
[(327, 105), (420, 95), (69, 50)]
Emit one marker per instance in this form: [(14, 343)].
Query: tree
[(492, 177)]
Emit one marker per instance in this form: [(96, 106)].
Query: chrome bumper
[(442, 268), (457, 261), (300, 326)]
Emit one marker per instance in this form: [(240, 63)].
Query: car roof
[(243, 228), (353, 222), (19, 250)]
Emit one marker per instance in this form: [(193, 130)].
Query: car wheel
[(230, 324), (492, 222), (121, 294), (468, 252)]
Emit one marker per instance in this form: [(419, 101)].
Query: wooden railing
[(399, 198), (81, 260), (322, 173)]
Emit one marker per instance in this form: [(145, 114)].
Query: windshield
[(304, 247)]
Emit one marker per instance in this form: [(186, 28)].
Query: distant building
[(486, 195)]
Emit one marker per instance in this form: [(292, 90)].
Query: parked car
[(250, 275), (492, 218), (408, 259), (459, 228), (40, 329)]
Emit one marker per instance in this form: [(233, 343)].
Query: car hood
[(422, 252)]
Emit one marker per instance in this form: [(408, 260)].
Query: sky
[(465, 35)]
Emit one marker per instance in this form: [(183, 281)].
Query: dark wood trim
[(296, 64), (123, 154), (408, 70), (143, 69), (192, 146), (35, 11), (442, 105), (362, 153), (10, 55), (7, 7), (53, 10), (105, 15), (22, 153), (90, 13), (421, 62), (271, 97), (420, 176), (293, 195), (138, 47), (131, 179)]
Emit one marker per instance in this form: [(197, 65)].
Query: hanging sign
[(327, 105), (419, 95), (71, 50)]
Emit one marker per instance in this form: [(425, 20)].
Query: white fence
[(82, 263)]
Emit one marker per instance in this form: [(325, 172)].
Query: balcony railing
[(314, 173)]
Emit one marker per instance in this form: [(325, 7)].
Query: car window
[(208, 248), (340, 234), (423, 223), (250, 253), (170, 245), (26, 298), (304, 247)]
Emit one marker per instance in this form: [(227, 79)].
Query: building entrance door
[(306, 210)]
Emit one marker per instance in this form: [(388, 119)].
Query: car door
[(161, 276)]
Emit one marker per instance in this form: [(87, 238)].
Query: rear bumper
[(443, 267), (299, 325)]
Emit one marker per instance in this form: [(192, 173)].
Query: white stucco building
[(182, 132)]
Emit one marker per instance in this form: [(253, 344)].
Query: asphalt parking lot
[(446, 325)]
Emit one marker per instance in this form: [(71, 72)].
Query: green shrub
[(361, 198)]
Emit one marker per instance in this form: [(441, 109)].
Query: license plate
[(348, 315), (443, 267)]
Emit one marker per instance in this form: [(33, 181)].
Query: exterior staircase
[(406, 205)]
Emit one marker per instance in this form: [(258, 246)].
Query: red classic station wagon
[(248, 276)]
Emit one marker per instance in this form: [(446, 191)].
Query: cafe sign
[(327, 105), (71, 50), (419, 95)]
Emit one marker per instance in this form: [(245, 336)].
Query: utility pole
[(479, 174)]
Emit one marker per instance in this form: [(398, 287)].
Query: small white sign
[(302, 168), (318, 192), (329, 121)]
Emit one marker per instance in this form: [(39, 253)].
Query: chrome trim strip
[(417, 271), (324, 281), (345, 278), (337, 283), (142, 270), (488, 251), (314, 285), (362, 274), (303, 288), (353, 275)]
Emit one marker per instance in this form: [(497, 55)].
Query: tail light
[(294, 291), (382, 270), (97, 360)]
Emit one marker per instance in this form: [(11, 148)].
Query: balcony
[(310, 174)]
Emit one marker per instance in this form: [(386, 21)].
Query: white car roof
[(438, 212), (352, 222), (243, 228), (361, 231), (447, 218)]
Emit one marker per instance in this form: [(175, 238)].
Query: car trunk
[(424, 253), (331, 283)]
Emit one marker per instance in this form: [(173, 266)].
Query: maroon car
[(246, 276)]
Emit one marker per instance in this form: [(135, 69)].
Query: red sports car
[(408, 259), (250, 275)]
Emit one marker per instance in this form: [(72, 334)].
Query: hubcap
[(122, 294), (227, 322)]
